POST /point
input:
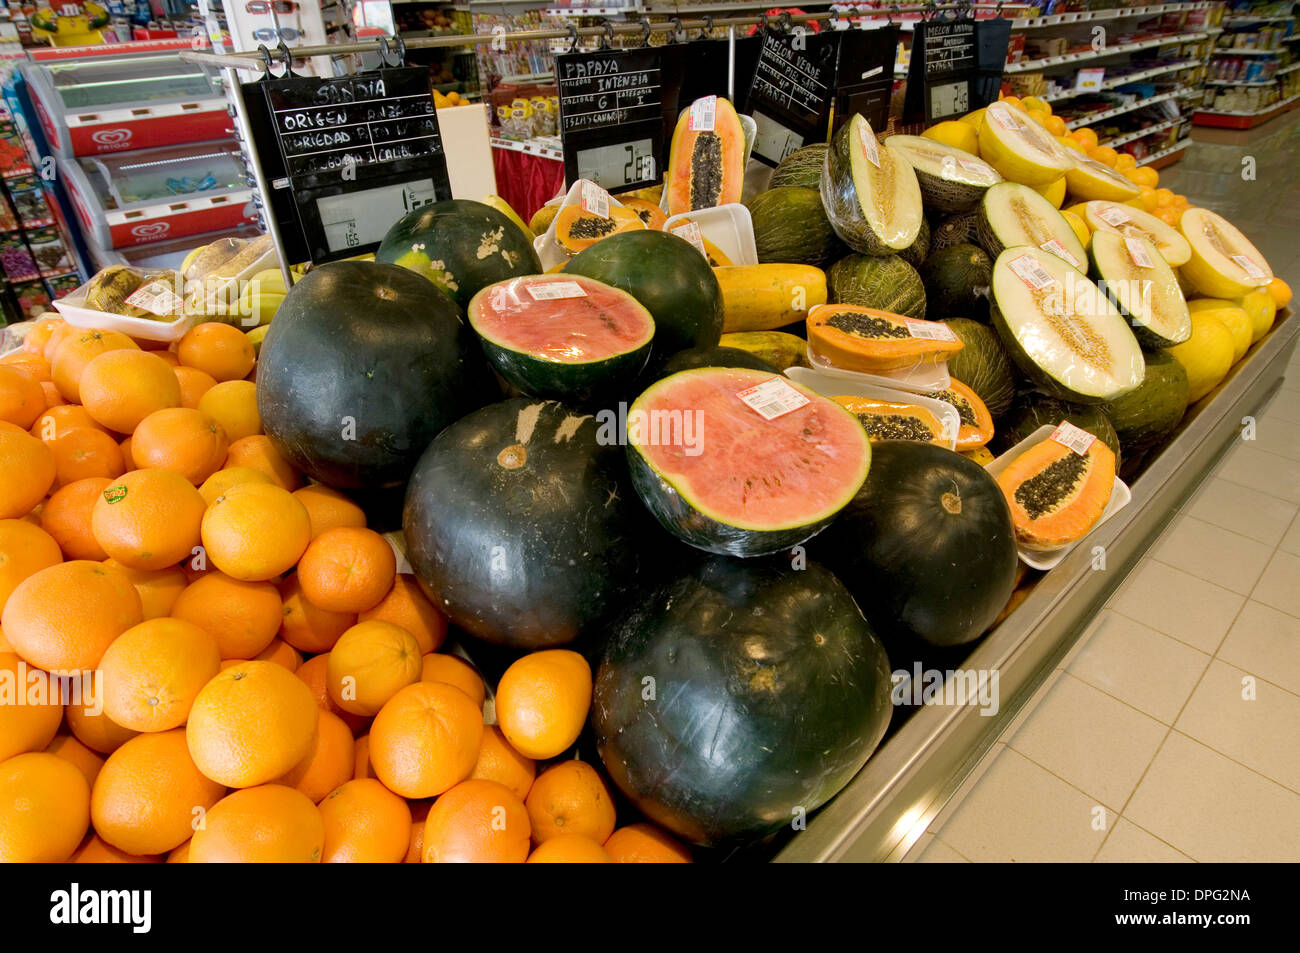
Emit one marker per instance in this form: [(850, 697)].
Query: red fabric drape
[(526, 181)]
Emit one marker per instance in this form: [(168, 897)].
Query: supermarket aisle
[(1168, 733)]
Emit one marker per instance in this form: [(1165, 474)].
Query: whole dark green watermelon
[(522, 527), (738, 695), (363, 365), (459, 245), (669, 277), (695, 357)]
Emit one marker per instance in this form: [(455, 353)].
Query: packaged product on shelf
[(63, 285), (8, 220), (51, 254), (16, 260), (33, 298), (28, 196)]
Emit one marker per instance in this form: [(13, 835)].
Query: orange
[(22, 399), (255, 531), (645, 844), (542, 702), (56, 339), (281, 653), (28, 726), (1105, 155), (306, 626), (158, 590), (499, 762), (1143, 176), (148, 518), (95, 851), (1124, 162), (406, 605), (77, 351), (1086, 137), (1280, 291), (178, 438), (315, 673), (233, 404), (477, 822), (251, 724), (153, 671), (57, 421), (1055, 125), (440, 667), (365, 823), (83, 453), (193, 383), (223, 480), (38, 369), (347, 569), (328, 509), (570, 798), (52, 396), (270, 823), (64, 617), (149, 796), (1146, 199), (121, 388), (181, 855), (68, 748), (259, 453), (66, 517), (415, 846), (1168, 214), (369, 664), (242, 616), (361, 767), (38, 335), (425, 739), (1164, 198), (97, 732), (572, 848), (26, 472), (329, 763), (128, 461), (44, 809), (25, 549), (217, 349)]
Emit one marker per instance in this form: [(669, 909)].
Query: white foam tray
[(833, 383), (919, 379), (730, 227)]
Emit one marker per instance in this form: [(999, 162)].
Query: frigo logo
[(111, 137), (151, 229)]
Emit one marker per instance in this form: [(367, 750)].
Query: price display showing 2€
[(950, 98)]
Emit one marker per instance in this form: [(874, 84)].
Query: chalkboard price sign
[(952, 63), (790, 96)]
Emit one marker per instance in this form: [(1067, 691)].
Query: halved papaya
[(890, 420), (857, 338), (706, 167), (1057, 495), (650, 213), (577, 229), (976, 422), (716, 256)]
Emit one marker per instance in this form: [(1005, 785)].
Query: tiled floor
[(1172, 731)]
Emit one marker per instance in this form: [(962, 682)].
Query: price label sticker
[(1090, 79), (1054, 246), (929, 330), (1005, 117), (594, 199), (772, 399), (157, 297), (1252, 270), (1140, 256), (551, 290), (980, 171), (1076, 438), (691, 232), (703, 114), (1114, 216), (1032, 272), (870, 147)]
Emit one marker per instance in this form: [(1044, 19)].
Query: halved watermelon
[(721, 474), (562, 336)]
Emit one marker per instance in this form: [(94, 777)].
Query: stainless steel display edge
[(890, 803)]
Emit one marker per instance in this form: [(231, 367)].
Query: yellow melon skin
[(1026, 166), (1231, 317), (1206, 355), (1202, 274), (1261, 308)]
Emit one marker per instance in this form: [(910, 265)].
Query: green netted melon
[(801, 168), (888, 284), (916, 253), (957, 281), (983, 365), (790, 226)]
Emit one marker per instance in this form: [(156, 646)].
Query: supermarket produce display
[(666, 527)]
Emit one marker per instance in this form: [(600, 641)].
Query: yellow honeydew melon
[(1080, 227), (973, 119), (1090, 180), (1019, 148), (954, 133), (1107, 216), (1206, 355), (1054, 192), (1261, 309), (1231, 317), (1222, 262)]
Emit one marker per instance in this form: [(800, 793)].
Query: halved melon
[(1057, 495), (976, 428), (1061, 330), (1054, 192), (1221, 261), (1019, 148), (951, 179), (562, 337), (870, 193), (706, 167), (866, 339), (894, 420), (1090, 179), (577, 229), (723, 476), (1011, 214), (1143, 286), (1104, 216), (649, 213)]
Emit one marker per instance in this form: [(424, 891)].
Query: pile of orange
[(260, 682)]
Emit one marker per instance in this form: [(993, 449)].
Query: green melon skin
[(790, 226), (957, 281), (887, 284), (840, 199), (801, 168), (575, 383), (1145, 417), (953, 230), (916, 253), (1033, 410), (983, 365)]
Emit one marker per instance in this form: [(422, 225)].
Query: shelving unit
[(1251, 81)]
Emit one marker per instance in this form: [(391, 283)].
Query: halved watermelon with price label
[(743, 462)]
